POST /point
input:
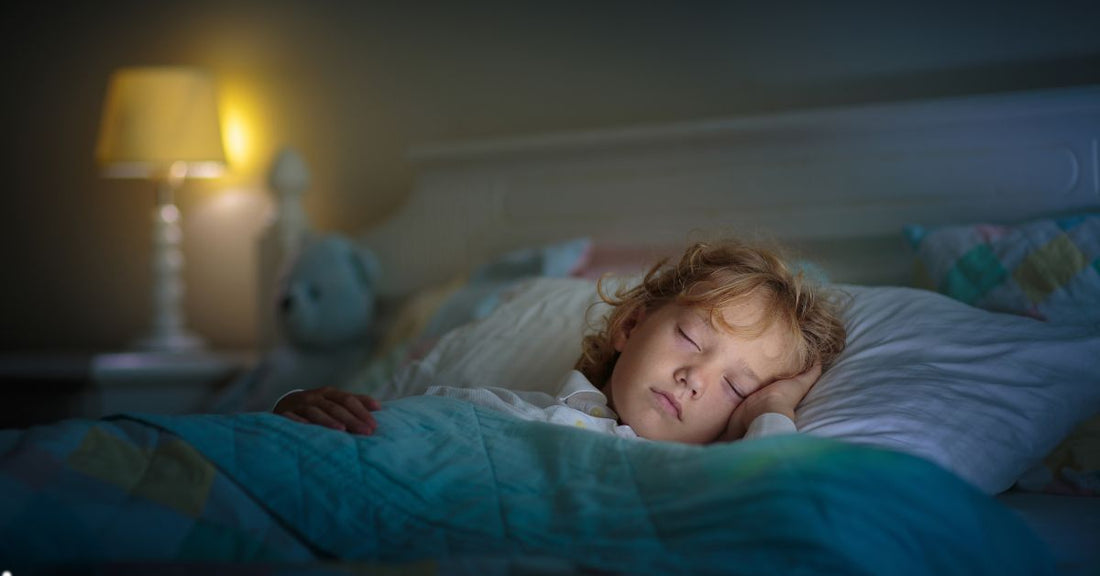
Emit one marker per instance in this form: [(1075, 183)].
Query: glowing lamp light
[(161, 123)]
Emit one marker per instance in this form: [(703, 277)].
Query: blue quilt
[(446, 480)]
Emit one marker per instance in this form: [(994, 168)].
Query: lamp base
[(179, 342), (167, 333)]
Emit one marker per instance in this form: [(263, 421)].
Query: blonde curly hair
[(713, 276)]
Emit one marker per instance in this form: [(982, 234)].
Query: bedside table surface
[(42, 387), (153, 368)]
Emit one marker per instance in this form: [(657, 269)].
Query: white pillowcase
[(529, 342), (985, 395)]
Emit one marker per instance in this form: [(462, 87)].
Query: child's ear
[(619, 339)]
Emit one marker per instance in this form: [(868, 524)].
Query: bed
[(956, 434)]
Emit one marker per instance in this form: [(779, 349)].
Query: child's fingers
[(295, 417), (813, 372), (735, 428), (343, 397), (804, 381), (318, 416), (810, 377), (347, 418), (359, 407)]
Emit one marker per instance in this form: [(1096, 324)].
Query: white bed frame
[(837, 185)]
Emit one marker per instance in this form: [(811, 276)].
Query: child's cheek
[(730, 396)]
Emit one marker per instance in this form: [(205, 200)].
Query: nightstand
[(39, 388), (159, 382)]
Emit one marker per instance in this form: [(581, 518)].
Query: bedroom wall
[(353, 85)]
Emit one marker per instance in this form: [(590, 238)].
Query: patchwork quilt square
[(1047, 269)]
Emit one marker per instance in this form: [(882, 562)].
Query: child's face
[(678, 378)]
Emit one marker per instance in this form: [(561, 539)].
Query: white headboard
[(837, 185)]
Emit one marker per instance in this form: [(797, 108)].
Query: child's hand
[(781, 396), (330, 407)]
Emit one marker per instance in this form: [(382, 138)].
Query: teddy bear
[(324, 312)]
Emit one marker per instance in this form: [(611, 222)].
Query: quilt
[(447, 482)]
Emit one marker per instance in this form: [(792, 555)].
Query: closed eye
[(688, 338), (734, 388)]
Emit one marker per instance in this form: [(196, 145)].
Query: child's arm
[(780, 397), (330, 407)]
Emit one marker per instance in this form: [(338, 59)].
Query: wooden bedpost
[(282, 237)]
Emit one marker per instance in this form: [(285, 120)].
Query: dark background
[(353, 84)]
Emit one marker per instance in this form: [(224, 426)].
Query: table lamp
[(161, 124)]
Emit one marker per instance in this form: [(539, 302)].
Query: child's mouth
[(667, 403)]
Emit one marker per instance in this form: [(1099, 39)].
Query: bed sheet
[(447, 480)]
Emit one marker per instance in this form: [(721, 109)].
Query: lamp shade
[(155, 117)]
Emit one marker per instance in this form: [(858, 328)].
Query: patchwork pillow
[(985, 395), (1047, 269)]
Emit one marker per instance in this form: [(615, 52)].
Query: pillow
[(985, 395), (434, 311), (1048, 269), (428, 314), (529, 342)]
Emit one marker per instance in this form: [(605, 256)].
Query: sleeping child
[(720, 346)]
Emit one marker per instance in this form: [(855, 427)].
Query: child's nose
[(693, 380)]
